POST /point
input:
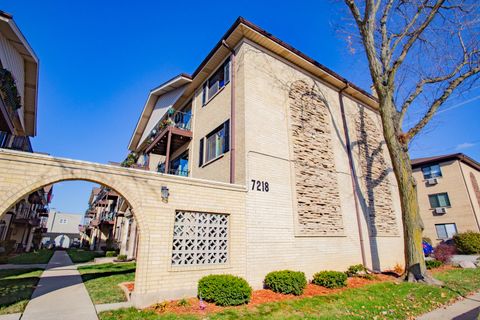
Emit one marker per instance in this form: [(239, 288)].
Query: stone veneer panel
[(319, 211), (375, 184), (476, 188)]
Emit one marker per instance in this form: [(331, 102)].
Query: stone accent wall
[(319, 211), (374, 182), (476, 188)]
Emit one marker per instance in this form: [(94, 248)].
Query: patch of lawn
[(102, 281), (16, 288), (81, 256), (385, 300), (34, 257)]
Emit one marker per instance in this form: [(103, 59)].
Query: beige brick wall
[(460, 212), (274, 241)]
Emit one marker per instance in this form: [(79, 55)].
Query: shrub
[(443, 252), (286, 282), (122, 257), (432, 264), (224, 290), (330, 279), (110, 254), (355, 270), (467, 242), (8, 246)]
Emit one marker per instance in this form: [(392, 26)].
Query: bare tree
[(419, 53)]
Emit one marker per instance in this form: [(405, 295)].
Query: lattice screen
[(200, 238)]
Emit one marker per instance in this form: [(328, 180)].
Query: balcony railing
[(176, 172), (177, 119)]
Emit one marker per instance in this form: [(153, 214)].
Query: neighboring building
[(18, 87), (25, 221), (448, 194), (306, 144), (109, 223), (18, 122), (62, 228)]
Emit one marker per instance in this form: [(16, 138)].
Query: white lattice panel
[(200, 238)]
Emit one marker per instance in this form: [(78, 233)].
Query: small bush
[(122, 257), (8, 246), (224, 290), (286, 282), (183, 303), (432, 264), (110, 254), (330, 279), (355, 270), (467, 242), (443, 252)]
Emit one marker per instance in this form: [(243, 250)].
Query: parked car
[(427, 248)]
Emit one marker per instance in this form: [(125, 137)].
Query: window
[(439, 200), (432, 171), (215, 143), (63, 221), (200, 238), (446, 230), (217, 81)]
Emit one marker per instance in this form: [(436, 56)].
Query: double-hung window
[(216, 82), (215, 143), (446, 230), (439, 200), (432, 171)]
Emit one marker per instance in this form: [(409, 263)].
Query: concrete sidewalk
[(466, 309), (60, 293)]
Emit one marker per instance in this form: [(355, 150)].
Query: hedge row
[(229, 290)]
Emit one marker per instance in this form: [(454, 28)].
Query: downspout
[(232, 111), (353, 174), (468, 193)]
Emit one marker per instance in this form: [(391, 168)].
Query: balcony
[(175, 172), (108, 217), (170, 134), (10, 102)]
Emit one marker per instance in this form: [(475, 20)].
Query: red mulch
[(259, 297)]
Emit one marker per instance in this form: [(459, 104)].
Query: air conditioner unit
[(440, 210), (432, 181)]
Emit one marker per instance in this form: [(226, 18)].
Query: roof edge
[(416, 163)]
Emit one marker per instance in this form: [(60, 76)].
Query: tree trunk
[(415, 269)]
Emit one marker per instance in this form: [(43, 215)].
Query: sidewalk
[(60, 293), (466, 309)]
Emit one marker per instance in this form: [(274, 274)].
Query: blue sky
[(99, 59)]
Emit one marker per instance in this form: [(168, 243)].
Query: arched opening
[(107, 225)]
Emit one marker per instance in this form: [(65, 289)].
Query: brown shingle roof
[(447, 157)]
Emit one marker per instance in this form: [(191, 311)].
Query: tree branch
[(439, 101), (413, 36)]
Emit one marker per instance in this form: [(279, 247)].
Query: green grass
[(102, 281), (40, 256), (385, 300), (80, 256), (16, 287)]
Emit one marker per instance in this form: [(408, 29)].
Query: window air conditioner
[(432, 181), (440, 210)]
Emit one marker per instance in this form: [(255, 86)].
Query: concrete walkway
[(60, 293), (466, 309)]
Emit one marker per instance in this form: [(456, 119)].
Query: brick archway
[(155, 279)]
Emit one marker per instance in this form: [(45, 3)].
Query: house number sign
[(258, 185)]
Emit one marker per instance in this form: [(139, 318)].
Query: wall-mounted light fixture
[(165, 193)]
